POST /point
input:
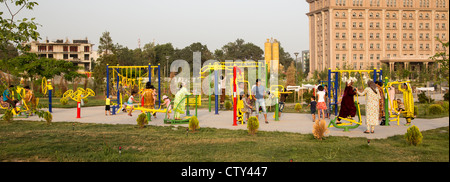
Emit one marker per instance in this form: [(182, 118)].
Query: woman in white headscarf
[(372, 106)]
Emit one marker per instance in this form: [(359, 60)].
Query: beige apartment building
[(78, 51), (369, 33)]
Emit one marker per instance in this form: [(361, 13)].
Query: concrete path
[(289, 122)]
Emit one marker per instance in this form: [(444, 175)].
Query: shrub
[(64, 101), (446, 96), (320, 129), (413, 136), (48, 117), (435, 109), (8, 116), (445, 105), (228, 105), (193, 123), (298, 107), (424, 99), (252, 125), (142, 120), (85, 100)]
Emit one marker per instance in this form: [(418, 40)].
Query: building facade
[(365, 34), (78, 51)]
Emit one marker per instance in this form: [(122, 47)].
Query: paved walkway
[(289, 122)]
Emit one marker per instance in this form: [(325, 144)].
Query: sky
[(180, 22)]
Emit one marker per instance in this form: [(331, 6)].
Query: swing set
[(127, 78)]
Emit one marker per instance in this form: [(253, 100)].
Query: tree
[(443, 59), (291, 71), (106, 44), (15, 32), (239, 50)]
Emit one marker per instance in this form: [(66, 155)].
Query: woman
[(372, 106), (149, 97), (179, 102), (348, 107)]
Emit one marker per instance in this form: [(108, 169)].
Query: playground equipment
[(47, 86), (277, 94), (23, 108), (77, 96), (333, 90), (128, 77), (334, 85), (188, 116), (228, 67), (347, 126), (391, 106)]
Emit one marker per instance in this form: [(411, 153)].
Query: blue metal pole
[(107, 80), (329, 87), (216, 90), (336, 88), (49, 100), (159, 84), (117, 86)]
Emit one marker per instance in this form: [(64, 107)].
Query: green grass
[(35, 141)]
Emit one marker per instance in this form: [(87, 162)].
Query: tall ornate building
[(366, 33)]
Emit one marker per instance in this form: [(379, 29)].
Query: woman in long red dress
[(347, 104)]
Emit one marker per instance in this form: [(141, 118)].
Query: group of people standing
[(374, 103)]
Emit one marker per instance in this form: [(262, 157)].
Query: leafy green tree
[(106, 44)]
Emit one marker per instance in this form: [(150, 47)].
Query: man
[(259, 91), (7, 98)]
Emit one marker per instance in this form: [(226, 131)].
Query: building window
[(86, 57), (73, 48), (50, 49), (42, 48), (66, 49), (86, 48)]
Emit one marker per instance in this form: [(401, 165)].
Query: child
[(247, 106), (321, 105), (130, 102), (313, 104), (400, 106), (166, 103), (108, 105)]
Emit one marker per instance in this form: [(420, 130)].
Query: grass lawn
[(35, 141)]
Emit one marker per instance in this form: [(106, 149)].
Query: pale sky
[(181, 22)]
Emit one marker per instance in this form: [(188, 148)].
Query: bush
[(85, 100), (48, 117), (298, 107), (424, 99), (413, 136), (320, 129), (252, 125), (64, 101), (142, 120), (193, 123), (435, 109), (8, 116), (445, 105), (228, 105), (446, 96)]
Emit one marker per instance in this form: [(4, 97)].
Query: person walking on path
[(259, 91), (372, 106)]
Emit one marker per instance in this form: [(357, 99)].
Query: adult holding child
[(372, 105)]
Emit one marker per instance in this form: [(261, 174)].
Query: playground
[(289, 122)]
